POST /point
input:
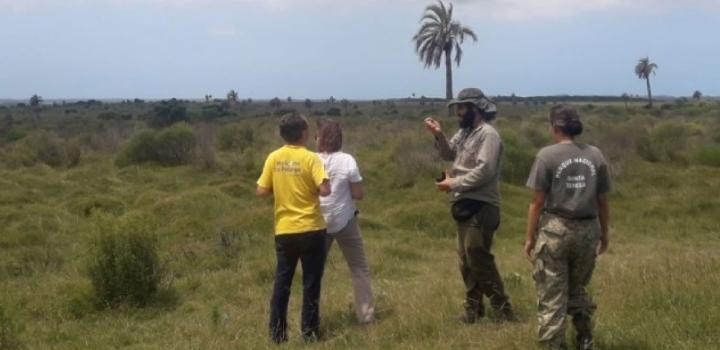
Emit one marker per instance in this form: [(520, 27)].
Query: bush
[(708, 155), (42, 147), (235, 136), (666, 142), (214, 111), (172, 146), (168, 113), (175, 145), (140, 149), (333, 111), (124, 267)]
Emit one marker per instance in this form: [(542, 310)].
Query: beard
[(467, 120)]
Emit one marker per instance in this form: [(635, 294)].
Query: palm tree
[(35, 103), (232, 97), (697, 95), (643, 70), (439, 36)]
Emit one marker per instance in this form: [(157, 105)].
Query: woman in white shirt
[(340, 214)]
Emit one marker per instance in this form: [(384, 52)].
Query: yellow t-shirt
[(293, 174)]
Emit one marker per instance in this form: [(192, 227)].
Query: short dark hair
[(330, 136), (566, 119), (292, 126)]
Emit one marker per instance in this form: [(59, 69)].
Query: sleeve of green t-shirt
[(540, 178), (317, 169), (603, 184), (266, 178)]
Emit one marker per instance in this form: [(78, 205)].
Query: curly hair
[(330, 137)]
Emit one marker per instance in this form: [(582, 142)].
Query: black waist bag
[(465, 208)]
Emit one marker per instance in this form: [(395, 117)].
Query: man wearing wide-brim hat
[(475, 151)]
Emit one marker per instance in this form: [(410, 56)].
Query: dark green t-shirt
[(572, 175)]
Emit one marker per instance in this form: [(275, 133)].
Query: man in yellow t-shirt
[(296, 177)]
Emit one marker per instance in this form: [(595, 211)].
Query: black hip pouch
[(465, 208)]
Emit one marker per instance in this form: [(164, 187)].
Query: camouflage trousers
[(564, 256), (477, 264)]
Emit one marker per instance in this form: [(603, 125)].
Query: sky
[(355, 49)]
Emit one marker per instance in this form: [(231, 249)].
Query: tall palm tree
[(439, 36), (643, 70), (36, 104)]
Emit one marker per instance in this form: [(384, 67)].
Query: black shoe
[(507, 315), (472, 315), (311, 337), (279, 339), (584, 342)]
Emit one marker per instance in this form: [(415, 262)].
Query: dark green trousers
[(477, 263)]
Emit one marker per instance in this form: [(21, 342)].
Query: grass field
[(656, 288)]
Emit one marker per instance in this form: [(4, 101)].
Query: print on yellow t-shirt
[(293, 174)]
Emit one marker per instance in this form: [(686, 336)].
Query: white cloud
[(507, 9)]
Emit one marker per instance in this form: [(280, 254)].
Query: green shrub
[(48, 149), (175, 145), (124, 266), (214, 111), (42, 147), (140, 149), (333, 111), (8, 331), (168, 113), (666, 142), (172, 146), (235, 137), (708, 155)]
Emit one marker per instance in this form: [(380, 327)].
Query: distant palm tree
[(697, 95), (35, 103), (643, 70), (232, 97), (438, 36)]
